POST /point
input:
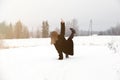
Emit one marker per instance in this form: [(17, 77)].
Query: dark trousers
[(65, 46)]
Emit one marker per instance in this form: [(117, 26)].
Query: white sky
[(104, 13)]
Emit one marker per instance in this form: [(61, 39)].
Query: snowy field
[(95, 58)]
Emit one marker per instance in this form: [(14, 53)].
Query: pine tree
[(45, 29), (18, 30), (9, 33)]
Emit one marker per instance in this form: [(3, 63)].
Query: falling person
[(61, 44)]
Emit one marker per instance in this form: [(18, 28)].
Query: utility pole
[(90, 27)]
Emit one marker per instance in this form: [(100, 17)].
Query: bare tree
[(75, 26), (72, 24)]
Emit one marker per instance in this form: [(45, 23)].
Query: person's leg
[(66, 55), (62, 32), (72, 34), (59, 50), (69, 44), (60, 55)]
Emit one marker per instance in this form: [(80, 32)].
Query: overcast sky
[(104, 13)]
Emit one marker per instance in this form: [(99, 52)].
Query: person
[(61, 44)]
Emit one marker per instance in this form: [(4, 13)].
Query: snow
[(96, 58)]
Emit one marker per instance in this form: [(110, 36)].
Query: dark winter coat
[(63, 45)]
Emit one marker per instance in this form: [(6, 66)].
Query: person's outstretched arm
[(62, 33)]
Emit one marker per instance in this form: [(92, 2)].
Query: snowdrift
[(96, 58), (83, 40)]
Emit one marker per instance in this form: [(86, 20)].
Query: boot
[(67, 56), (72, 30), (60, 58)]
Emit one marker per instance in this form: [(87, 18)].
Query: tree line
[(19, 31), (115, 30)]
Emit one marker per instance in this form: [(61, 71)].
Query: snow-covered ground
[(96, 58)]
